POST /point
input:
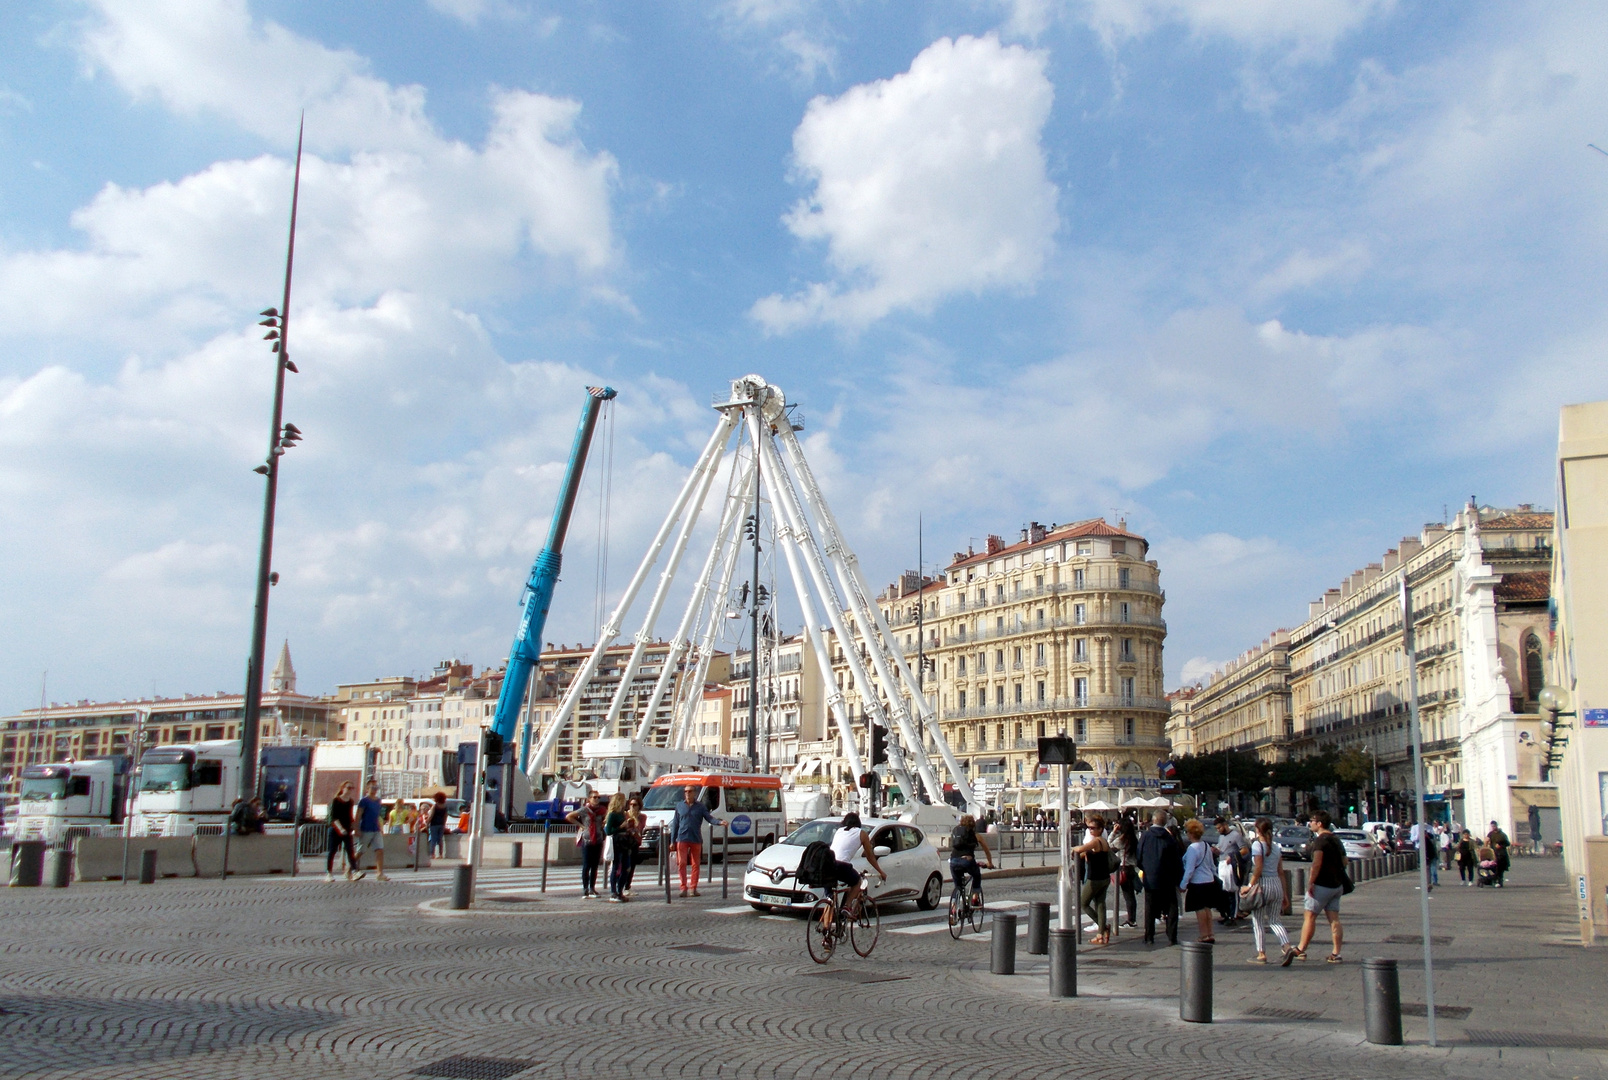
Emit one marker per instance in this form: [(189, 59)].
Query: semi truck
[(66, 795), (186, 785)]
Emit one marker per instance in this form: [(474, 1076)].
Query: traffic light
[(879, 745), (494, 748)]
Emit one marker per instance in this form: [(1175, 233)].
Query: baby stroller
[(1487, 874)]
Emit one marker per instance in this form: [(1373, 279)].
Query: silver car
[(1292, 841), (908, 858)]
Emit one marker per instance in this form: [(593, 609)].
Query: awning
[(807, 767), (988, 764)]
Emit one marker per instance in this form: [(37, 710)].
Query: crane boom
[(527, 646)]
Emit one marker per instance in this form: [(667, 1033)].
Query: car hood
[(778, 856)]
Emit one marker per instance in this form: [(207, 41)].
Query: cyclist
[(963, 845), (850, 840)]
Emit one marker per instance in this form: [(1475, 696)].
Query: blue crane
[(527, 646)]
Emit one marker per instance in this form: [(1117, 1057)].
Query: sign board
[(1585, 903), (1595, 717), (1170, 787)]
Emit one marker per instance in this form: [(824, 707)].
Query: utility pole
[(753, 646), (1417, 734), (279, 440)]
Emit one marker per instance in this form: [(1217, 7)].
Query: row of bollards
[(1381, 989), (32, 866)]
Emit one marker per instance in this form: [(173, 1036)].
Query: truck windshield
[(614, 769), (43, 788), (165, 777), (753, 800), (665, 797)]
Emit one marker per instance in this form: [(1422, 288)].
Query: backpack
[(817, 866)]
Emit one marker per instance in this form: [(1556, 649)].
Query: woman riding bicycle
[(963, 845), (850, 840)]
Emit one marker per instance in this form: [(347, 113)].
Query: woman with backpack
[(963, 845), (1125, 845)]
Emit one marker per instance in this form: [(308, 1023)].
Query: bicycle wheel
[(976, 913), (864, 929), (957, 915), (820, 935)]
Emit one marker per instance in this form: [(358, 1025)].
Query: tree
[(1354, 767)]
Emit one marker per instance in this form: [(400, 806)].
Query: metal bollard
[(148, 866), (1038, 927), (1195, 983), (1002, 949), (1381, 1001), (725, 859), (664, 860), (1063, 946), (518, 859), (463, 887), (27, 863), (61, 867), (547, 842)]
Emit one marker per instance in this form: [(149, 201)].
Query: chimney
[(960, 556), (1391, 560), (1024, 536), (1331, 598), (1410, 546), (1314, 608), (995, 544), (1035, 532), (1370, 574)]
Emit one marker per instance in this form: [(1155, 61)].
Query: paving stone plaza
[(300, 978)]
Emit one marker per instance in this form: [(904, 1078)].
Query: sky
[(1277, 284)]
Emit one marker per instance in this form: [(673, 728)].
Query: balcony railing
[(1103, 702)]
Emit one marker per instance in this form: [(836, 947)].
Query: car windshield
[(165, 777), (821, 830), (1294, 832), (1352, 837), (664, 797), (43, 788)]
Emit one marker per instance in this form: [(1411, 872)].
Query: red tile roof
[(1075, 531), (1519, 520), (1527, 585)]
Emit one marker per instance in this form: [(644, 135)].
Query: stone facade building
[(1245, 706)]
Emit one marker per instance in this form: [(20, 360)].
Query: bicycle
[(830, 922), (965, 906)]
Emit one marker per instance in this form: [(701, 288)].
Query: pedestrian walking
[(1325, 885), (1201, 890), (589, 816), (1161, 868), (687, 832), (1233, 857), (370, 814), (1486, 855), (1446, 840), (1537, 844), (1468, 859), (1263, 894), (1126, 844), (340, 834), (438, 825), (1096, 856), (1499, 844), (399, 822)]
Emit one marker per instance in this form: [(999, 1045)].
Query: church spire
[(283, 679)]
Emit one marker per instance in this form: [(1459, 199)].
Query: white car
[(911, 863), (1357, 844)]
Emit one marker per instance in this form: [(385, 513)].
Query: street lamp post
[(281, 437)]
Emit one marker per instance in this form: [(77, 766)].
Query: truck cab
[(626, 766), (749, 803), (64, 796), (185, 786)]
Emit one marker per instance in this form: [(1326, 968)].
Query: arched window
[(1534, 670)]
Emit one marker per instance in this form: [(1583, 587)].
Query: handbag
[(1252, 897)]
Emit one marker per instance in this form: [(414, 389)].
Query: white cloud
[(1198, 669), (927, 184), (471, 12), (1306, 29)]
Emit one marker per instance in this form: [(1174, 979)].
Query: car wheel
[(931, 894)]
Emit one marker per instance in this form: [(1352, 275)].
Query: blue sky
[(1275, 282)]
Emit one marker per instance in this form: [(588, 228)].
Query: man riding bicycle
[(963, 845), (850, 840)]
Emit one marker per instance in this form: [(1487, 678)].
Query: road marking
[(742, 909)]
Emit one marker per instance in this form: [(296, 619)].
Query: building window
[(1127, 690), (1122, 577), (1080, 730), (1534, 671), (960, 699), (1041, 691), (1085, 548), (1080, 614), (1077, 579), (999, 624), (1080, 693), (1038, 582), (1016, 657), (999, 594), (1038, 654), (1128, 727), (1127, 649), (1122, 611), (999, 659), (1119, 547), (960, 667), (1018, 693), (1041, 616), (1041, 729), (1080, 649)]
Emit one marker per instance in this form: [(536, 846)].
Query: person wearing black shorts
[(963, 845)]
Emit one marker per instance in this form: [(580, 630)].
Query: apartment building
[(792, 705), (1245, 706), (1479, 599), (712, 730)]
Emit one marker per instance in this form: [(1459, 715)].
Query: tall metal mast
[(279, 440)]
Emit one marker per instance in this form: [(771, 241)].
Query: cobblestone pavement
[(299, 978)]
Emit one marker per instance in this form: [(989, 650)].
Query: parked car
[(908, 858), (1292, 841), (1357, 844)]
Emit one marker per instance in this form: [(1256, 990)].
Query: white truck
[(336, 762), (185, 786), (64, 796), (629, 767)]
